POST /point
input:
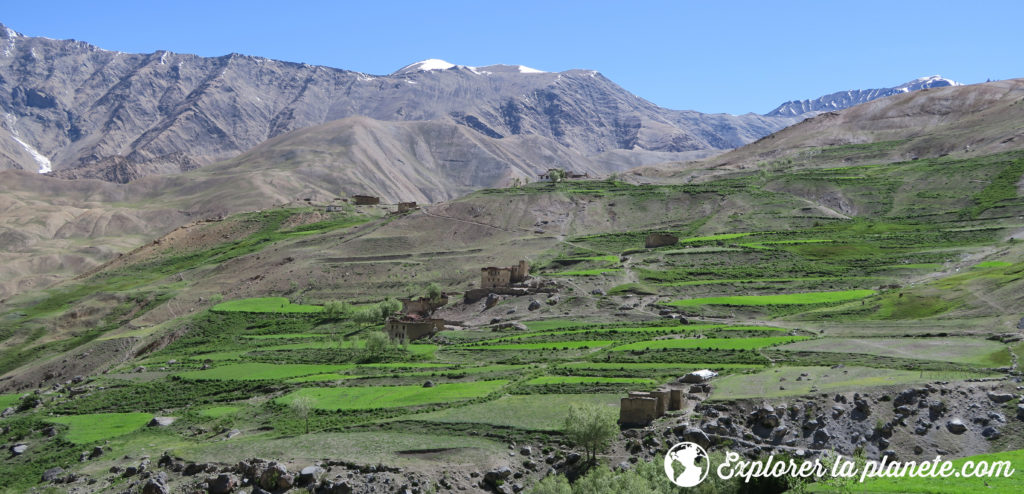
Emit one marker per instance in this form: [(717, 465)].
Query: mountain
[(82, 111), (953, 121), (846, 99)]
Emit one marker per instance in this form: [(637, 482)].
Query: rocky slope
[(846, 99), (86, 112)]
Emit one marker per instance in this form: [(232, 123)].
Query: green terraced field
[(558, 345), (219, 411), (255, 371), (681, 368), (84, 429), (372, 397), (585, 272), (538, 381), (787, 299), (265, 304), (7, 400), (528, 412), (976, 351), (710, 343)]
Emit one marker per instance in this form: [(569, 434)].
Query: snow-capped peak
[(425, 65), (437, 64), (926, 82)]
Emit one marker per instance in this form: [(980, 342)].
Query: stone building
[(423, 305), (366, 200), (640, 408), (660, 240), (494, 277), (404, 207), (406, 329)]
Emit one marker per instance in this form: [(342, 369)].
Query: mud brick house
[(411, 328), (493, 277), (366, 200)]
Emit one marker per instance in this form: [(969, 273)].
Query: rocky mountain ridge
[(85, 112), (845, 99)]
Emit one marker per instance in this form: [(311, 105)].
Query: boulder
[(272, 475), (162, 421), (1000, 397), (956, 426), (534, 305), (221, 484), (696, 436), (990, 433), (308, 475), (18, 449), (1020, 411), (154, 486), (329, 487), (491, 478), (52, 474), (97, 451)]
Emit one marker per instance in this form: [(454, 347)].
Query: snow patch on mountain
[(845, 99)]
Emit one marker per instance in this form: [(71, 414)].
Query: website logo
[(686, 464)]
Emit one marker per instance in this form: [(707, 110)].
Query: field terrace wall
[(408, 329), (660, 240)]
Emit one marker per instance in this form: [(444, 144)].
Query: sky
[(710, 56)]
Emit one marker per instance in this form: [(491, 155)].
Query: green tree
[(377, 345), (557, 174), (389, 307), (591, 427), (433, 292), (337, 308), (302, 406)]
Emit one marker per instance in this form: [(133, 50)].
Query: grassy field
[(255, 371), (951, 349), (560, 345), (265, 304), (681, 368), (219, 411), (709, 343), (7, 400), (84, 429), (786, 299), (530, 412), (768, 382), (371, 397), (538, 381)]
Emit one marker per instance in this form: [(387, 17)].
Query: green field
[(681, 368), (787, 299), (977, 351), (709, 343), (265, 304), (529, 412), (84, 429), (710, 238), (539, 381), (7, 400), (219, 411), (371, 397), (585, 272), (559, 345), (255, 371)]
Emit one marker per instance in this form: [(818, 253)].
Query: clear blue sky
[(711, 56)]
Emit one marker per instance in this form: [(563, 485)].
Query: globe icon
[(686, 464)]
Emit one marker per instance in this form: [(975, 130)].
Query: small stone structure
[(640, 408), (405, 207), (366, 200), (494, 277), (406, 329), (423, 306), (660, 240), (334, 208), (568, 174)]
